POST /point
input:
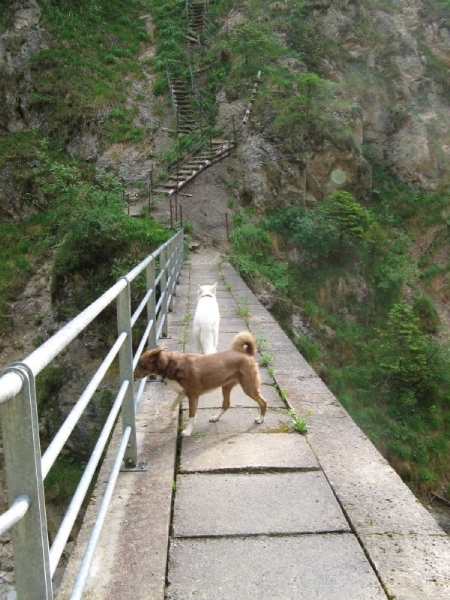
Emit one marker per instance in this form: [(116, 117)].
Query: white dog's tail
[(244, 342)]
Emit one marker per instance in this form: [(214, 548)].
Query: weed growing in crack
[(298, 423)]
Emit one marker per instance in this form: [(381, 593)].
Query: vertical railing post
[(171, 271), (22, 452), (151, 305), (126, 372), (163, 280), (180, 252)]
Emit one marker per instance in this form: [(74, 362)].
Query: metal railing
[(35, 561)]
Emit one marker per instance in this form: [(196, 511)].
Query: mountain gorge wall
[(391, 61)]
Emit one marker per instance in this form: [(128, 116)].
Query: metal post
[(24, 477), (151, 305), (126, 373), (171, 274), (226, 223), (164, 307), (171, 213)]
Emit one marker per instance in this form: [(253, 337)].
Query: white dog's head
[(207, 290)]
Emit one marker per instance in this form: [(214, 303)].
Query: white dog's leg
[(190, 427), (260, 420), (216, 417), (177, 401)]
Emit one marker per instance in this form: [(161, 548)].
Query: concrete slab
[(288, 451), (320, 567), (239, 420), (412, 566), (241, 504), (232, 324), (138, 518), (373, 494), (263, 493), (239, 398)]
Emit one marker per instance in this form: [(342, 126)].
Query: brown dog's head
[(150, 363)]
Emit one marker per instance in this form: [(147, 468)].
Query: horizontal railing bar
[(142, 265), (141, 307), (83, 486), (10, 384), (72, 419), (158, 277), (160, 301), (139, 392), (142, 343), (161, 325), (168, 261), (131, 276), (101, 515), (16, 511)]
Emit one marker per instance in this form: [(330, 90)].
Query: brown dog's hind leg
[(263, 406), (193, 403), (254, 393), (226, 391)]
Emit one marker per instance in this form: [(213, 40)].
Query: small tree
[(350, 218), (252, 42), (406, 355)]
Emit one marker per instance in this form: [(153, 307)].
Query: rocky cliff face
[(397, 71), (24, 37), (391, 60)]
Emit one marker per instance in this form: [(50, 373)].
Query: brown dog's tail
[(244, 342)]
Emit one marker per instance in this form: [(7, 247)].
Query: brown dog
[(192, 375)]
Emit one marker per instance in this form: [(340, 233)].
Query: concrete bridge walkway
[(242, 511)]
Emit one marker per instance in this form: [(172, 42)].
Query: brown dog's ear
[(147, 363)]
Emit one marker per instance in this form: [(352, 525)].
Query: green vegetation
[(94, 49), (378, 353), (62, 480), (376, 346), (77, 217), (298, 423)]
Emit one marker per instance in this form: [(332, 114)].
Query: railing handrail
[(34, 561), (10, 383)]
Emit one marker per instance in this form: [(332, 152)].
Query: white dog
[(206, 320)]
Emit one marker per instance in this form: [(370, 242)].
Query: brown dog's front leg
[(193, 403), (177, 401)]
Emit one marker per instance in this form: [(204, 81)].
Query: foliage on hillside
[(79, 81), (360, 289), (362, 281)]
